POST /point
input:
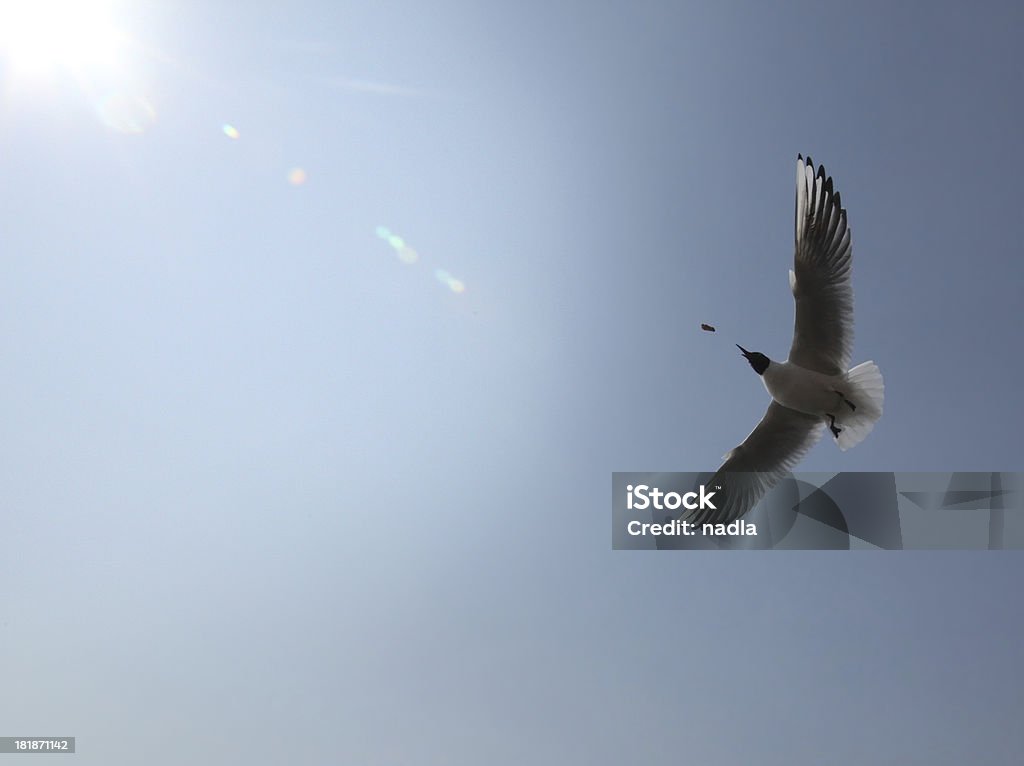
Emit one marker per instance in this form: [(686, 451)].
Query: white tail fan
[(866, 389)]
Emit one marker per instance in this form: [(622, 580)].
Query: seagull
[(813, 387)]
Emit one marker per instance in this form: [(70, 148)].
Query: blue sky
[(271, 493)]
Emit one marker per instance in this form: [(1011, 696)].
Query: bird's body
[(814, 387), (807, 391), (853, 399)]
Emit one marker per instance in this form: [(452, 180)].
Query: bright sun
[(42, 36)]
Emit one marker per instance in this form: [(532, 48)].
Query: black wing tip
[(822, 173)]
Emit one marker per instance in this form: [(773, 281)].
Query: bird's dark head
[(757, 360)]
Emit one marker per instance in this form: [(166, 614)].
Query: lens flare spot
[(297, 176), (410, 256), (453, 284), (126, 113), (230, 131)]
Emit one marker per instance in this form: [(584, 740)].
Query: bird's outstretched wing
[(777, 444), (820, 280)]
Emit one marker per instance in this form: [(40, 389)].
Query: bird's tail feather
[(866, 390)]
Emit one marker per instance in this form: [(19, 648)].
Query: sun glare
[(41, 36)]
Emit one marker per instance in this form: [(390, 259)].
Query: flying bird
[(812, 389)]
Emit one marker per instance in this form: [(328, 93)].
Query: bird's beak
[(745, 352)]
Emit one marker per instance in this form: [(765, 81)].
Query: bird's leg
[(853, 407), (832, 426)]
